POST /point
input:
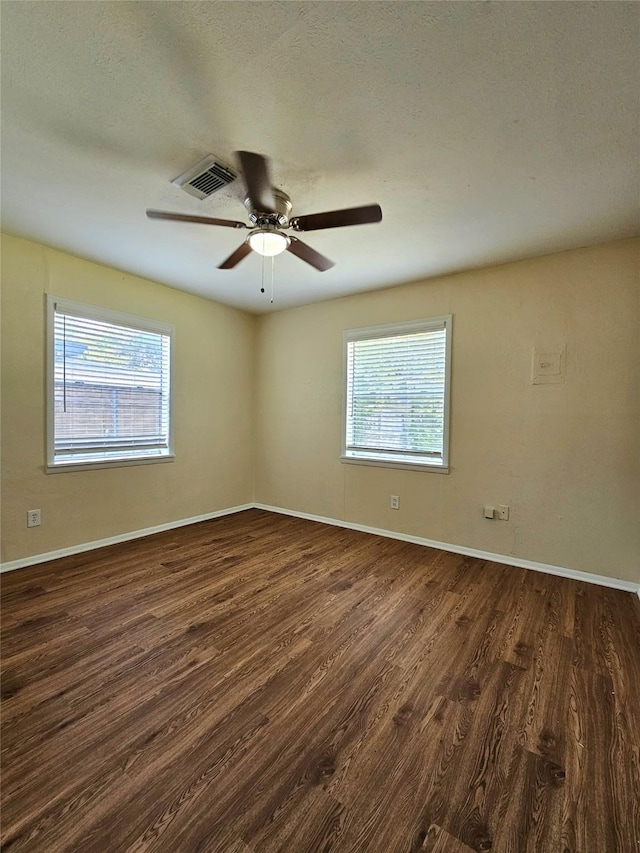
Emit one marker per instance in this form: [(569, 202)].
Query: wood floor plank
[(262, 683), (597, 750), (439, 841)]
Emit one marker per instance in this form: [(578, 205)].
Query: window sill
[(389, 463), (111, 463)]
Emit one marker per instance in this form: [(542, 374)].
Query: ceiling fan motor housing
[(280, 218)]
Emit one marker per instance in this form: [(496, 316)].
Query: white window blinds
[(397, 393), (110, 394)]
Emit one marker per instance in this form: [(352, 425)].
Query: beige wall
[(213, 405), (565, 457)]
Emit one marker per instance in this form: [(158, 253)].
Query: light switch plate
[(548, 367)]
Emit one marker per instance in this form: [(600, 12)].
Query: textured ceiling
[(486, 131)]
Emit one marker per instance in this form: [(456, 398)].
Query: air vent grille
[(206, 178), (213, 179)]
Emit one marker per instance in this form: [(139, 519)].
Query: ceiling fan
[(269, 212)]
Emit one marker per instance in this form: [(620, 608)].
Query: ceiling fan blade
[(338, 218), (306, 253), (185, 217), (234, 259), (256, 177)]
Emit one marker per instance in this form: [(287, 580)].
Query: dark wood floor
[(263, 683)]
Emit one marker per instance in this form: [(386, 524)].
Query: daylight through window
[(397, 394), (109, 386)]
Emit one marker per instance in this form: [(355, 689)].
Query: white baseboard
[(574, 574), (114, 540)]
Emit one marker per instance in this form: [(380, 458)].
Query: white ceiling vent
[(206, 178)]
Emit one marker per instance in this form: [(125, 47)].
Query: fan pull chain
[(272, 260), (262, 281)]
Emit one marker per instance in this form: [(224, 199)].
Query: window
[(108, 394), (397, 394)]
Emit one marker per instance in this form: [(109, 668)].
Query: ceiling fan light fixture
[(269, 210), (268, 243)]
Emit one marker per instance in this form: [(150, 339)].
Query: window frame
[(120, 318), (391, 330)]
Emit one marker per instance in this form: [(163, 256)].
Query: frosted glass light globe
[(268, 243)]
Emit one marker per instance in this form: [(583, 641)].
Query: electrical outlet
[(395, 502), (33, 518), (503, 512)]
